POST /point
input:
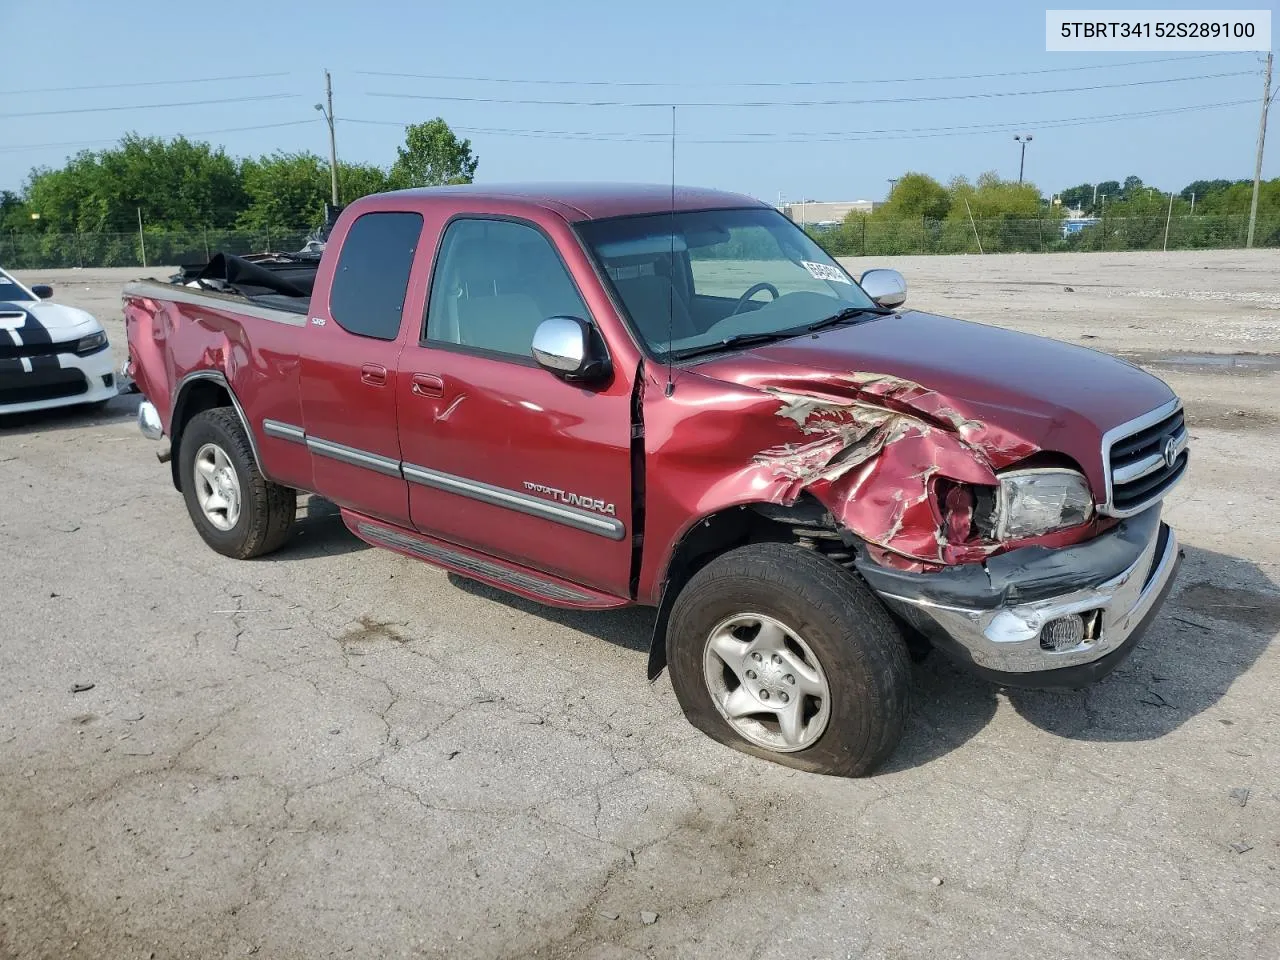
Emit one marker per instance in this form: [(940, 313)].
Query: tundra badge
[(573, 499)]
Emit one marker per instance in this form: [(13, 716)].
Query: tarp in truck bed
[(279, 276)]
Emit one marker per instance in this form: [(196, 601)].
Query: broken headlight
[(1032, 502)]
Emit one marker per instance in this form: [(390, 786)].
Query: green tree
[(1078, 198), (173, 182), (432, 156), (1203, 190), (14, 215), (915, 195), (993, 198), (1109, 189), (356, 180), (288, 191)]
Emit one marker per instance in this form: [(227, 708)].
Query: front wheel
[(235, 509), (778, 652)]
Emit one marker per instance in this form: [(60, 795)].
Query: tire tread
[(271, 507), (871, 647)]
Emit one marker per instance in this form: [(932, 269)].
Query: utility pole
[(1167, 220), (333, 145), (1023, 139), (1262, 136), (142, 240)]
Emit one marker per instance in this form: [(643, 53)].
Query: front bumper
[(990, 616), (64, 379)]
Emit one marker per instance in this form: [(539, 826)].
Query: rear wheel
[(778, 652), (237, 511)]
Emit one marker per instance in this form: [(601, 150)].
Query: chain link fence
[(869, 236), (28, 251)]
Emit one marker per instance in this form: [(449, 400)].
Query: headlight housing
[(1032, 502), (91, 344)]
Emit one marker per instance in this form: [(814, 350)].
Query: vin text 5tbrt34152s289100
[(602, 395)]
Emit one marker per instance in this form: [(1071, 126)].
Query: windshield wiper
[(737, 340), (849, 314)]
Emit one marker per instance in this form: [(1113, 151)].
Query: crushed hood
[(1006, 393)]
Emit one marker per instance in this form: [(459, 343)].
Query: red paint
[(872, 420)]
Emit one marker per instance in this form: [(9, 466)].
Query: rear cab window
[(371, 279)]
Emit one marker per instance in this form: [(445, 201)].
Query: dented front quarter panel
[(866, 445)]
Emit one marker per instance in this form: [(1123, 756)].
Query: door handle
[(427, 385), (374, 374)]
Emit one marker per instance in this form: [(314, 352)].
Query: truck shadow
[(319, 531), (629, 627), (1223, 614)]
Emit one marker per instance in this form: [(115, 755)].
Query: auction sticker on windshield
[(823, 271)]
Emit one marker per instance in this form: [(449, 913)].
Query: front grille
[(9, 352), (1140, 471), (41, 385)]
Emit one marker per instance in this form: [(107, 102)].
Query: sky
[(702, 54)]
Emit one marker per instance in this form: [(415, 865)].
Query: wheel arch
[(197, 392), (715, 533)]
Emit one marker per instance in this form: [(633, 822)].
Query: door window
[(495, 282), (372, 276)]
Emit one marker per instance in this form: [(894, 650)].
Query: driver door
[(501, 455)]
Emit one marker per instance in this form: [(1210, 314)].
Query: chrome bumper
[(1004, 638), (149, 421)]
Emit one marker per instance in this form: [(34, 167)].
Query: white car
[(51, 355)]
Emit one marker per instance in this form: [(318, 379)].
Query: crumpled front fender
[(869, 447)]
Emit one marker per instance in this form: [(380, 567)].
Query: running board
[(502, 574)]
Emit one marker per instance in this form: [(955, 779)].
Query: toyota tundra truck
[(595, 396)]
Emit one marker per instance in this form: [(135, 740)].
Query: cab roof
[(594, 201)]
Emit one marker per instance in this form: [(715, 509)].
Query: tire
[(263, 511), (828, 619)]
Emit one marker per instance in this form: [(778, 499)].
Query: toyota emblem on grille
[(1170, 452)]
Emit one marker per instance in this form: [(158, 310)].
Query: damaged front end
[(922, 493), (900, 468)]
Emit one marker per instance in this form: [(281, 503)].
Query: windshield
[(11, 291), (744, 275)]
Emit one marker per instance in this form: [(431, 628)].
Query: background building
[(814, 212)]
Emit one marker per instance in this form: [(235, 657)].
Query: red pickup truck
[(603, 395)]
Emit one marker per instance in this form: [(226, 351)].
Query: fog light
[(1064, 633)]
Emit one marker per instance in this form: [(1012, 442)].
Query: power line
[(142, 83), (152, 106), (783, 83), (827, 136), (805, 103), (193, 133), (924, 134)]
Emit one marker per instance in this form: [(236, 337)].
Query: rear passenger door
[(500, 454), (350, 357)]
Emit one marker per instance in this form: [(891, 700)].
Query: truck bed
[(274, 281)]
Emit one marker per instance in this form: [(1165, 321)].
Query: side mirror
[(888, 288), (42, 290), (572, 349)]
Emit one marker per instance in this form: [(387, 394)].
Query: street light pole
[(1023, 139), (892, 182), (1262, 137), (333, 145)]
